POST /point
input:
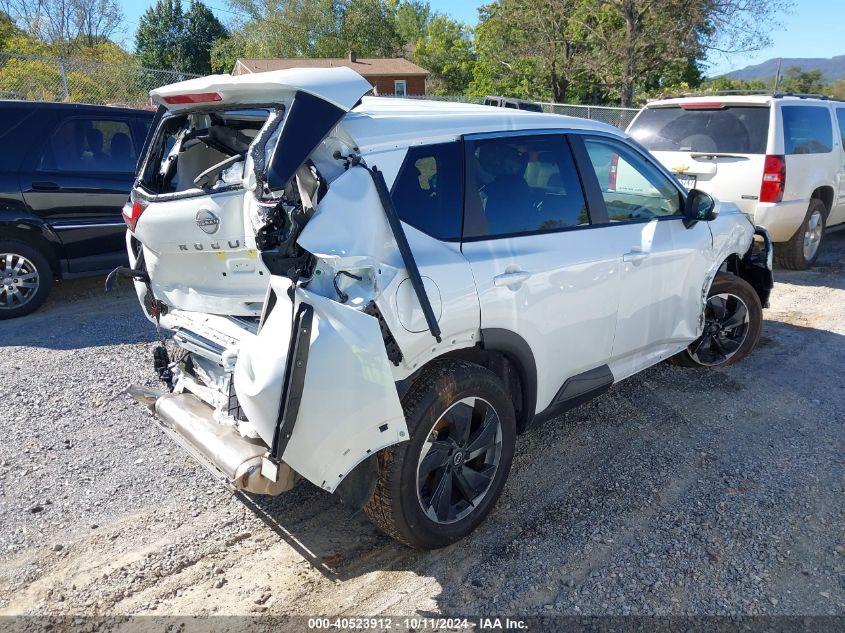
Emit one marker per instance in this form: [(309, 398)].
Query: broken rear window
[(201, 150)]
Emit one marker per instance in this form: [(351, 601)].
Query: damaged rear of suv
[(388, 342)]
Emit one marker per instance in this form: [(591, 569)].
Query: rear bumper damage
[(313, 391), (233, 459)]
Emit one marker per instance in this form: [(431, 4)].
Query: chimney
[(352, 57)]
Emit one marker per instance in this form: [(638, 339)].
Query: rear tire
[(733, 323), (25, 278), (436, 488), (802, 250)]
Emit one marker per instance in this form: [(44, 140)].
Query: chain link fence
[(34, 78), (618, 117)]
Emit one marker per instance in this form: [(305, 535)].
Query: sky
[(804, 32)]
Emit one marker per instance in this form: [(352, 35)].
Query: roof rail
[(739, 93), (805, 95)]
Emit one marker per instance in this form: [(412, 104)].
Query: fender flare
[(520, 354)]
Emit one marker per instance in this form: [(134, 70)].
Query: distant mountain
[(832, 68)]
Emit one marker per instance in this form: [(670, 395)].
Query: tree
[(66, 24), (226, 51), (171, 39), (157, 41), (201, 30), (446, 51), (368, 27), (537, 47), (643, 38), (412, 20), (798, 81), (837, 89)]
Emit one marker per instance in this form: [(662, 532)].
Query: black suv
[(65, 173)]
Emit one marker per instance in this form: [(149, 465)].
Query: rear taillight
[(774, 179), (132, 210), (197, 97), (703, 105), (614, 170)]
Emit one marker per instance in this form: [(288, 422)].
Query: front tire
[(802, 250), (438, 487), (733, 323), (25, 278)]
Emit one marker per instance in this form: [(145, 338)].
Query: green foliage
[(226, 51), (158, 39), (412, 20), (796, 80), (368, 27), (446, 51), (171, 39), (201, 30), (500, 69)]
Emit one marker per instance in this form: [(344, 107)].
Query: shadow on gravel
[(668, 480), (80, 314)]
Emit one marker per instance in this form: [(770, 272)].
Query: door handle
[(511, 279), (634, 256), (44, 185)]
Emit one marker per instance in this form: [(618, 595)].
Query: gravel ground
[(677, 492)]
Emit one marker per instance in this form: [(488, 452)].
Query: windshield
[(727, 130)]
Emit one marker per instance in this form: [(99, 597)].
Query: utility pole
[(777, 74)]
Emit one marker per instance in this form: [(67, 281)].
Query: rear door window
[(90, 144), (520, 185), (723, 129), (807, 130), (428, 191), (21, 127)]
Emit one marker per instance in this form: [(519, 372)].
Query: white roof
[(341, 87), (376, 122), (380, 122)]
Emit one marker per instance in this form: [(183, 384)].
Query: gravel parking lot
[(677, 492)]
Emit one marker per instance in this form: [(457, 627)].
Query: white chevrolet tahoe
[(377, 295), (780, 158)]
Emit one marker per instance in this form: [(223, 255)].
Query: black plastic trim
[(596, 207), (405, 250), (151, 132), (577, 390), (294, 381), (519, 351), (755, 268)]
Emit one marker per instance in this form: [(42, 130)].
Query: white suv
[(780, 158), (378, 294)]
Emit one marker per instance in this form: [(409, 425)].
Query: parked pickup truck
[(378, 295)]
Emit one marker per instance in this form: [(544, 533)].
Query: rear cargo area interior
[(209, 145)]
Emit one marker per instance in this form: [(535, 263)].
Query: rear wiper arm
[(716, 155)]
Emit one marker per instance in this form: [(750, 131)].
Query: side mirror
[(700, 207)]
